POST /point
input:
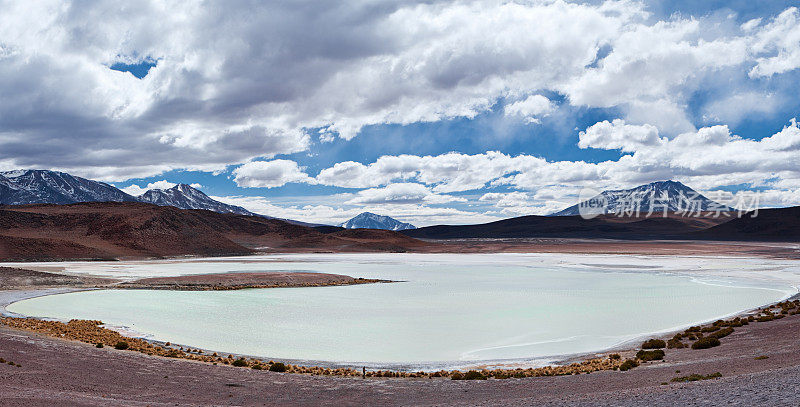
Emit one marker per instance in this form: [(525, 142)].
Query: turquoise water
[(444, 313)]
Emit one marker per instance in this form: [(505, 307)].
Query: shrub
[(257, 367), (675, 344), (239, 362), (695, 377), (614, 356), (705, 343), (721, 333), (474, 375), (648, 355), (121, 345), (99, 345), (654, 344), (277, 367), (762, 357), (628, 365), (457, 376)]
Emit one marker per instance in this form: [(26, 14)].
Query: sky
[(432, 112)]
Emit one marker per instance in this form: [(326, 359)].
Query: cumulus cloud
[(777, 43), (448, 172), (617, 135), (235, 82), (269, 174), (531, 109), (327, 211), (401, 193), (136, 190), (706, 158)]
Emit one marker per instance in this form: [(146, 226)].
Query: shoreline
[(8, 297), (623, 346), (598, 362), (758, 365), (626, 346)]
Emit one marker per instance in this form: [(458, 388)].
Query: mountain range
[(655, 197), (27, 187), (30, 187), (367, 220), (154, 225)]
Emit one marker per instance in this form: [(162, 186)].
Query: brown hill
[(602, 227), (118, 230), (778, 225)]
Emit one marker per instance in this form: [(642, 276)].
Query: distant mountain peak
[(187, 197), (655, 197), (369, 220)]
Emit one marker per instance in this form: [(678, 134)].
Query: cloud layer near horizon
[(726, 159)]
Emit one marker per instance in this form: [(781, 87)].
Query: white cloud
[(136, 190), (734, 108), (707, 158), (238, 83), (401, 193), (530, 109), (448, 172), (619, 136), (778, 44), (269, 174), (330, 212)]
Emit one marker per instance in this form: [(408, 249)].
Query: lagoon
[(448, 311)]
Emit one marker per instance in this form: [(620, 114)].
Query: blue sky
[(433, 112)]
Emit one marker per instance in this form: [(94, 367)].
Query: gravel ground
[(57, 372)]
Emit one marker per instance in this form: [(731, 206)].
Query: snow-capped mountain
[(671, 196), (41, 186), (185, 197), (368, 220), (22, 187)]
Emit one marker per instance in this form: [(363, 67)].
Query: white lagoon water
[(450, 310)]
